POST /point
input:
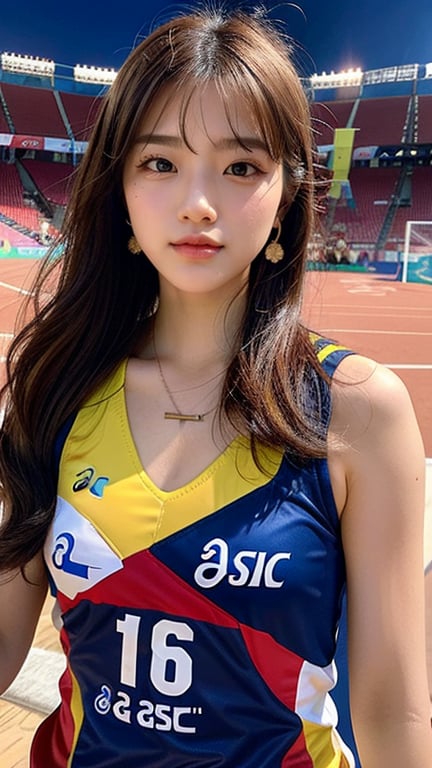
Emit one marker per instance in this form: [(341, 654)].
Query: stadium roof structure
[(60, 74)]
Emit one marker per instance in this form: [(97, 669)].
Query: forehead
[(200, 110)]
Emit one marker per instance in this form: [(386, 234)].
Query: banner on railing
[(27, 142), (52, 144), (341, 160)]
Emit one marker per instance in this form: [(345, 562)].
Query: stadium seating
[(392, 119), (420, 208), (53, 179), (380, 121), (34, 111), (326, 116), (81, 111), (12, 202), (424, 130), (372, 189), (377, 121), (4, 128)]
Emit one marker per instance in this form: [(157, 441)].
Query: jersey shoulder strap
[(329, 354)]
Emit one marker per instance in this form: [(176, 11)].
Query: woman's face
[(201, 213)]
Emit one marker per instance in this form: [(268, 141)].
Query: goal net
[(417, 255)]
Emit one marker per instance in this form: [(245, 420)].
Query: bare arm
[(382, 495), (429, 628), (21, 603)]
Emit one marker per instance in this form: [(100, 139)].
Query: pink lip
[(202, 240), (196, 246)]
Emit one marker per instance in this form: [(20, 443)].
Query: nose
[(196, 202)]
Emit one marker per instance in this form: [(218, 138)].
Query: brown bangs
[(242, 64), (234, 92)]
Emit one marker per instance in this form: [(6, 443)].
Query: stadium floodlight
[(407, 72), (99, 75), (29, 65), (337, 79), (391, 74)]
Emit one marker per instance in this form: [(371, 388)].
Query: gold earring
[(274, 251), (133, 245)]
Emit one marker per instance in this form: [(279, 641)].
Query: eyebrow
[(250, 142)]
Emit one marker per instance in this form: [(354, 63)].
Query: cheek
[(260, 213), (254, 234), (139, 202), (131, 195), (265, 201)]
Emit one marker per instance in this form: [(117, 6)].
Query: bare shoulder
[(366, 397), (374, 438)]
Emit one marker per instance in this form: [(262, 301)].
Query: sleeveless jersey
[(199, 624)]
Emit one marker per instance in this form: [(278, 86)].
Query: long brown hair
[(92, 320)]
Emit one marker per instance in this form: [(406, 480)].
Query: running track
[(388, 321)]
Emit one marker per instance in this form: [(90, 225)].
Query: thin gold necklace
[(177, 414)]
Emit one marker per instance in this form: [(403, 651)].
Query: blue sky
[(331, 35)]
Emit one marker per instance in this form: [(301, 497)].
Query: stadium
[(373, 130), (373, 133)]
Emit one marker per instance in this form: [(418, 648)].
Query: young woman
[(172, 461)]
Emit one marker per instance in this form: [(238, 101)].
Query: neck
[(196, 335), (192, 344)]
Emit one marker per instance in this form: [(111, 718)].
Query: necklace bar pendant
[(183, 416)]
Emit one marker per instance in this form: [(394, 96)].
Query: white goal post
[(417, 246)]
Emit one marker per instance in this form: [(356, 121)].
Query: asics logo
[(62, 556), (87, 479), (249, 568)]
